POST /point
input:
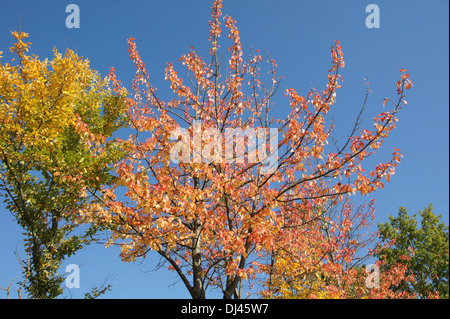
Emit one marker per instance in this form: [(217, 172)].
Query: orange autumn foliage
[(326, 257), (216, 222)]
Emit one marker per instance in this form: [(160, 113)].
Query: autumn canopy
[(257, 202)]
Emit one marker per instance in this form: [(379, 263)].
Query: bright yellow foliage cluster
[(40, 98), (292, 277)]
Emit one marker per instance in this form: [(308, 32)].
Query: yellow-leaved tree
[(55, 119)]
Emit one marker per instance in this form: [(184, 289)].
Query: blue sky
[(298, 35)]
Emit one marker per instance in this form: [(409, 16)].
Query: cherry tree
[(213, 209)]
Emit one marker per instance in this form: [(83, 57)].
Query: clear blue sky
[(298, 34)]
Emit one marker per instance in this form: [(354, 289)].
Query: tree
[(327, 258), (55, 118), (214, 217), (426, 246)]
